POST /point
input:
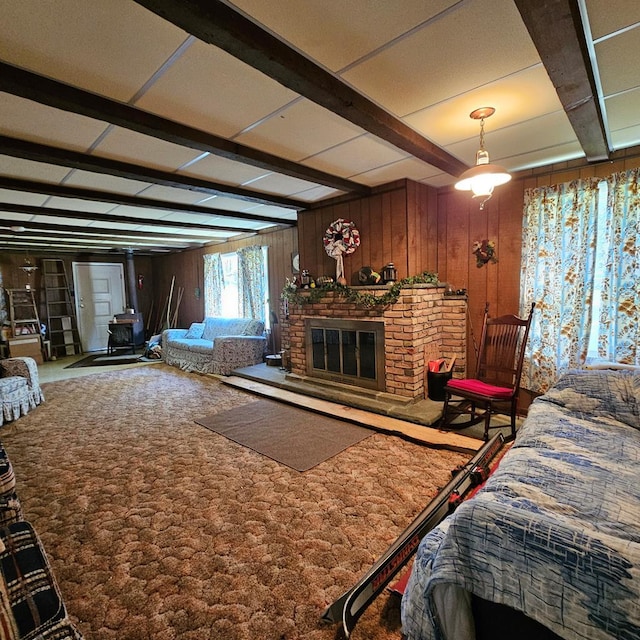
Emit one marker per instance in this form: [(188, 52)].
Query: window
[(581, 266), (237, 284)]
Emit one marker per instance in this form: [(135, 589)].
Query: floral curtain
[(619, 334), (213, 285), (251, 282), (558, 259)]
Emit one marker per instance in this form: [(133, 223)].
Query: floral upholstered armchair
[(19, 388)]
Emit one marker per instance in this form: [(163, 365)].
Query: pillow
[(195, 331)]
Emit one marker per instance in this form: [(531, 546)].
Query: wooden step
[(385, 424)]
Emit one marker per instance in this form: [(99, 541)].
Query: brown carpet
[(159, 529), (298, 438)]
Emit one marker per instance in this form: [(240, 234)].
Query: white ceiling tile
[(21, 197), (74, 204), (16, 217), (219, 169), (278, 184), (301, 130), (621, 138), (411, 168), (623, 110), (228, 204), (210, 90), (335, 32), (448, 121), (188, 235), (356, 156), (71, 222), (272, 211), (508, 144), (104, 182), (616, 75), (439, 180), (39, 171), (111, 48), (136, 148), (481, 41), (139, 212), (171, 194), (37, 123), (556, 153), (317, 193), (611, 16)]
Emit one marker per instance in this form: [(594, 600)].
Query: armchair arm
[(231, 352), (24, 367), (173, 334)]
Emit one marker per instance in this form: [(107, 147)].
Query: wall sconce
[(484, 177)]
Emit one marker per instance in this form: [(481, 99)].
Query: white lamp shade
[(482, 179)]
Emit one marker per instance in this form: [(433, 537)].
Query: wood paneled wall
[(397, 224), (12, 277)]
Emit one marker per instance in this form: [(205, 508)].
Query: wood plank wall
[(396, 224), (12, 277)]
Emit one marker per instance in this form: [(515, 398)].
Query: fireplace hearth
[(381, 348)]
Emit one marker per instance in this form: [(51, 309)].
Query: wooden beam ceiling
[(556, 29), (63, 96), (92, 195), (105, 217), (218, 24), (39, 228), (97, 164)]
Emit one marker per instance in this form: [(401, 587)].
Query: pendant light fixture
[(484, 177)]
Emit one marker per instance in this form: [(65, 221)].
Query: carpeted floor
[(159, 529)]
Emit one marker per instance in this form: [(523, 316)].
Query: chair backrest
[(502, 347)]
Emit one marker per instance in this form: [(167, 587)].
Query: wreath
[(341, 238)]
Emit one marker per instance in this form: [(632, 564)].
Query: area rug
[(103, 360), (295, 437)]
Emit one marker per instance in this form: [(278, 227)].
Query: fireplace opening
[(347, 351)]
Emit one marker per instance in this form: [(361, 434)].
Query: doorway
[(99, 295)]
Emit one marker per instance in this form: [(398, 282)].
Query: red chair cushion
[(480, 388)]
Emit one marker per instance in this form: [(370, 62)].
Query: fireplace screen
[(346, 351)]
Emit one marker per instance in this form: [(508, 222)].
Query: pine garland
[(293, 295)]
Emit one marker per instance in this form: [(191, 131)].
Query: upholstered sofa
[(19, 388), (217, 345)]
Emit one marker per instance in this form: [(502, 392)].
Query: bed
[(550, 547)]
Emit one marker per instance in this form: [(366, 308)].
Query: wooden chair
[(497, 378)]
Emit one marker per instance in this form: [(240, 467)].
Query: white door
[(99, 296)]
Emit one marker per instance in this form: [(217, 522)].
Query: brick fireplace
[(422, 322)]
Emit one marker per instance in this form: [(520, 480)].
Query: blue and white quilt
[(555, 532)]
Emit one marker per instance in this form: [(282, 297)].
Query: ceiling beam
[(64, 191), (556, 29), (93, 241), (218, 24), (66, 158), (37, 229), (105, 217), (63, 96)]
